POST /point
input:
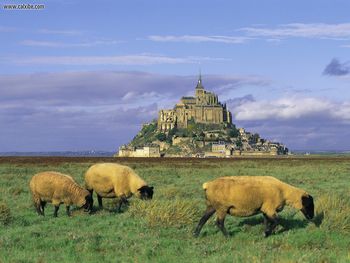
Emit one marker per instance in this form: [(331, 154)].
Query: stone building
[(219, 147), (203, 108), (145, 151)]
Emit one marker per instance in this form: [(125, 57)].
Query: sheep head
[(308, 206), (88, 203), (146, 192)]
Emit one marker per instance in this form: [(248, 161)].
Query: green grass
[(161, 230)]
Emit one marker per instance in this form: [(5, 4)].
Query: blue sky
[(81, 75)]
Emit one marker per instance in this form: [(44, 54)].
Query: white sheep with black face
[(58, 188), (110, 180), (249, 195)]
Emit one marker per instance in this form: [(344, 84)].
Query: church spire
[(199, 83)]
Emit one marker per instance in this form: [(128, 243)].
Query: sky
[(85, 75)]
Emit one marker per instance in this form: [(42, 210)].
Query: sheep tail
[(36, 199)]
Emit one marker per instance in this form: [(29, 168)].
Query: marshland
[(161, 230)]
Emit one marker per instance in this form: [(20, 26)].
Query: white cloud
[(59, 32), (129, 95), (89, 110), (292, 108), (138, 98), (199, 39), (271, 34), (106, 87), (109, 60), (342, 111), (301, 123), (35, 43), (69, 127), (314, 30)]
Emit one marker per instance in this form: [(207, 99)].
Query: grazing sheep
[(249, 195), (110, 180), (58, 188)]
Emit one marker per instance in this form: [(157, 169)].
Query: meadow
[(161, 230)]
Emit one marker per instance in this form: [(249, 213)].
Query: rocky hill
[(197, 126), (203, 140)]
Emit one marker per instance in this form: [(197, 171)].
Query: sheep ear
[(307, 200), (141, 189)]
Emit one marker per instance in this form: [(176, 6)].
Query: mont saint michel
[(204, 108), (198, 126)]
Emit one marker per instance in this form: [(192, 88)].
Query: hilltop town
[(199, 126)]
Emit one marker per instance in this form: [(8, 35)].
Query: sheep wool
[(249, 195), (57, 188), (110, 180)]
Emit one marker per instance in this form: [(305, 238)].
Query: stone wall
[(146, 151), (166, 120)]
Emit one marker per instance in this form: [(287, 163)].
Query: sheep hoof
[(266, 234), (90, 212)]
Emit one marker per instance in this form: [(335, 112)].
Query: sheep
[(110, 180), (249, 195), (58, 188)]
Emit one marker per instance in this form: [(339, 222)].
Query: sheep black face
[(146, 192), (308, 206), (88, 203)]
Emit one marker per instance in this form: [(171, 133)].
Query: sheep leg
[(92, 200), (207, 214), (37, 205), (42, 206), (67, 210), (99, 199), (56, 203), (126, 202), (38, 209), (56, 210), (220, 222), (121, 201), (270, 224)]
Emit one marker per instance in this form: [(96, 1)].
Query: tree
[(233, 132), (239, 143), (161, 137), (172, 132)]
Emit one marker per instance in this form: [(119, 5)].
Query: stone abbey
[(203, 108), (216, 136)]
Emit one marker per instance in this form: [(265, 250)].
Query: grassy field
[(161, 230)]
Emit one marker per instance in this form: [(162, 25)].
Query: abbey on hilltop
[(199, 126), (203, 108)]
